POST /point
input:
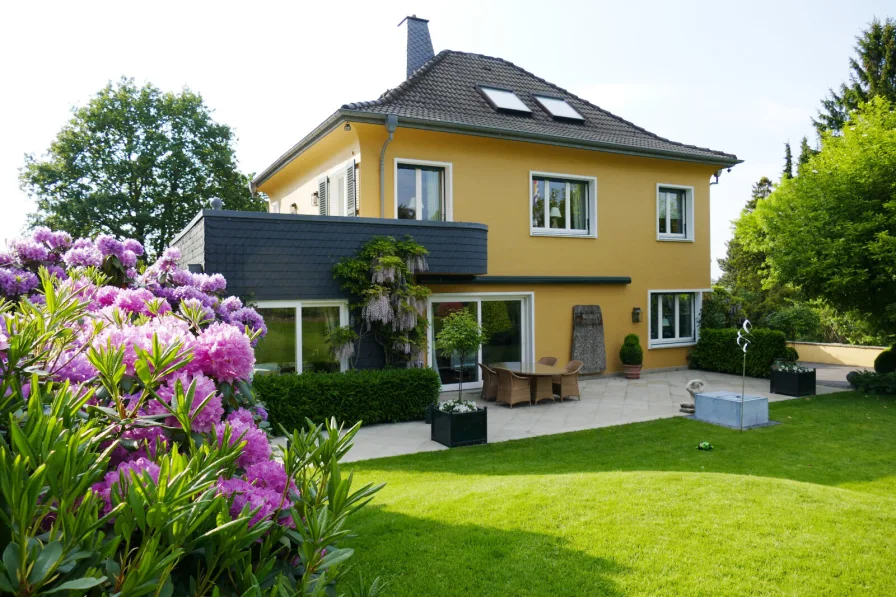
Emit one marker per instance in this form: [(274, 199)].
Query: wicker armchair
[(512, 388), (489, 383), (567, 385), (547, 361)]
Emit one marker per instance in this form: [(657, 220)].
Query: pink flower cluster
[(130, 315)]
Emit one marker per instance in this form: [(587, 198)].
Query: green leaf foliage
[(874, 382), (717, 350), (370, 396), (136, 162), (831, 232), (631, 352), (886, 361)]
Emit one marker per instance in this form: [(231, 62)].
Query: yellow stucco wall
[(490, 185), (837, 354), (297, 181)]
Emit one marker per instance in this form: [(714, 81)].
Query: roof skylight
[(558, 108), (503, 99)]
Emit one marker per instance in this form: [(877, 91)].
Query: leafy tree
[(462, 335), (806, 152), (721, 309), (832, 231), (872, 74), (742, 267), (798, 321), (788, 162), (136, 162)]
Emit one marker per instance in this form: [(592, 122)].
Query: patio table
[(541, 377)]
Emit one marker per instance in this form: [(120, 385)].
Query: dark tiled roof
[(444, 91)]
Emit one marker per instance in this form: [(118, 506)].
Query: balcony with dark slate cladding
[(287, 257)]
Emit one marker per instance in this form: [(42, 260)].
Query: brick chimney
[(419, 43)]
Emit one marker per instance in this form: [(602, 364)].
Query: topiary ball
[(886, 361)]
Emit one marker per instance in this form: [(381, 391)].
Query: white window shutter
[(323, 200), (350, 189)]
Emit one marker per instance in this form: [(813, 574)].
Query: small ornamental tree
[(631, 352), (134, 458), (391, 306), (460, 335)]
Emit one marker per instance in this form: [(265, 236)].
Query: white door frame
[(527, 333)]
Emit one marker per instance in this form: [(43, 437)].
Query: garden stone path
[(606, 401)]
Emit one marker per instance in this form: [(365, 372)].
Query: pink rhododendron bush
[(134, 459)]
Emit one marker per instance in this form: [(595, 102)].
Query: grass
[(807, 507)]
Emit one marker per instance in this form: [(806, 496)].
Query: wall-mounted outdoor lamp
[(347, 127), (636, 315)]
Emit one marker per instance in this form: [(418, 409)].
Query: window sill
[(562, 234), (674, 239), (686, 343)]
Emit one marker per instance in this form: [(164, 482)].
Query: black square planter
[(792, 384), (459, 429)]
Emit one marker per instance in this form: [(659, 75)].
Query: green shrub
[(371, 396), (717, 350), (874, 383), (792, 355), (886, 361), (631, 352)]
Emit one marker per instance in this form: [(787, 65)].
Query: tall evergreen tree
[(872, 74), (761, 189), (788, 162), (806, 152)]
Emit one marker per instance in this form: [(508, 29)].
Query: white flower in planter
[(458, 406)]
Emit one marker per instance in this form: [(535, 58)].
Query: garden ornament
[(695, 386), (704, 446), (743, 341)]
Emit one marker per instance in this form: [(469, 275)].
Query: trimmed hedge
[(873, 383), (371, 396), (717, 350), (886, 361)]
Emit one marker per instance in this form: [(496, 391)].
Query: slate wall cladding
[(268, 257), (287, 257)]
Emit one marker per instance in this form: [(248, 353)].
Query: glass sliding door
[(502, 322), (450, 369), (298, 336), (506, 321), (276, 352), (317, 323)]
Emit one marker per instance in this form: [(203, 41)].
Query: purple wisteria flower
[(230, 304), (42, 234), (210, 414), (248, 316), (6, 259)]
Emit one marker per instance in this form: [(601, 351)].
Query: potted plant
[(460, 335), (792, 379), (631, 356), (459, 423)]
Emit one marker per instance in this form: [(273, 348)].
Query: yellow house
[(582, 207)]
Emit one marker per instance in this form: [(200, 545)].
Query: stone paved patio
[(605, 402)]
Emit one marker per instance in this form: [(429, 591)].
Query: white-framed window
[(423, 190), (673, 317), (297, 336), (562, 205), (674, 212)]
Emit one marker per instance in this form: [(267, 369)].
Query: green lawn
[(807, 507)]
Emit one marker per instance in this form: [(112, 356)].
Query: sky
[(741, 77)]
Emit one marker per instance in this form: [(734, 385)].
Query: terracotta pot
[(632, 371)]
